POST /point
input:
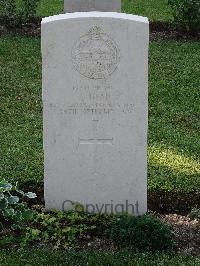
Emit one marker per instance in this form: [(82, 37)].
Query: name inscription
[(95, 101)]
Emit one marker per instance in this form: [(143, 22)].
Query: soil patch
[(158, 31), (163, 202), (186, 232)]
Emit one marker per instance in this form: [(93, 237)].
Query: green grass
[(20, 109), (155, 10), (50, 7), (174, 113), (174, 116), (47, 257)]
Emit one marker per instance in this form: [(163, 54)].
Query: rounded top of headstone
[(95, 14)]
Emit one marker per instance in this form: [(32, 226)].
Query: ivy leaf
[(8, 213), (5, 187), (30, 195), (1, 196), (22, 205), (27, 215), (15, 226), (13, 199), (35, 232), (17, 216), (3, 204)]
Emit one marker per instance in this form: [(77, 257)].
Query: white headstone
[(95, 90), (92, 5)]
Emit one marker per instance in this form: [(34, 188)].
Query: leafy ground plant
[(72, 229), (69, 229), (142, 233), (195, 213), (64, 229), (13, 210), (13, 13), (186, 14)]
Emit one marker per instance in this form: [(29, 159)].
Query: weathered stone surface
[(95, 100), (92, 5)]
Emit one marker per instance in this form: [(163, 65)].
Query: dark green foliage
[(155, 10), (7, 10), (186, 14), (141, 233), (63, 229), (13, 211), (57, 229), (12, 14), (195, 213), (30, 8)]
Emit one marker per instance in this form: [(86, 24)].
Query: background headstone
[(95, 102), (92, 5)]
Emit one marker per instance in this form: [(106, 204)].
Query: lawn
[(155, 10), (46, 257), (174, 139)]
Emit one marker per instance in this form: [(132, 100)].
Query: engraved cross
[(95, 141)]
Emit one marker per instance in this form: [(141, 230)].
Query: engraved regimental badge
[(95, 55)]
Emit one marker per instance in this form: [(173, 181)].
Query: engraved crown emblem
[(95, 55), (95, 32)]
